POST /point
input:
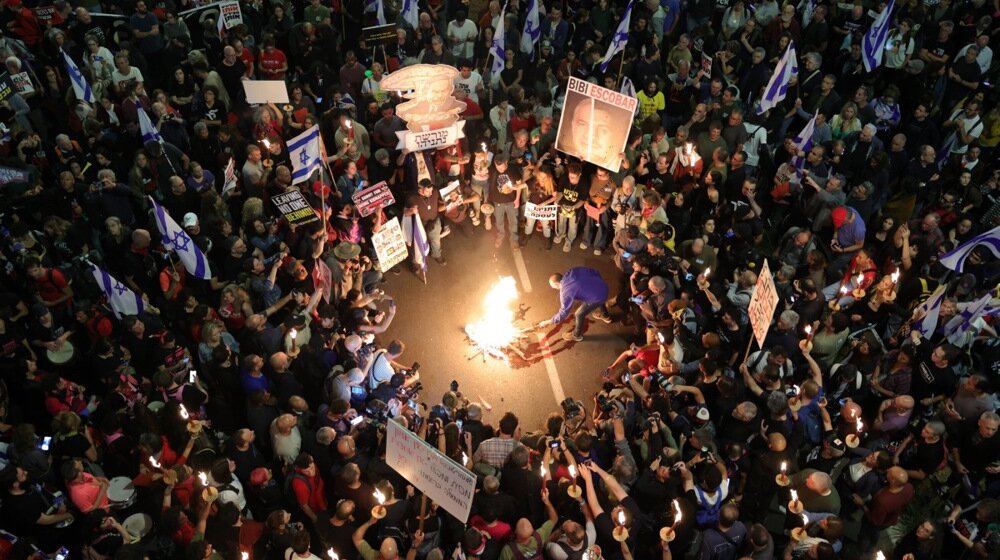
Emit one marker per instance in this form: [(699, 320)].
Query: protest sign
[(390, 245), (762, 304), (431, 139), (22, 83), (263, 91), (48, 15), (593, 212), (379, 35), (294, 208), (6, 86), (229, 182), (447, 483), (230, 13), (371, 199), (541, 213), (13, 175), (595, 123)]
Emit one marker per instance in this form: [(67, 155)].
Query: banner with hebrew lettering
[(431, 139)]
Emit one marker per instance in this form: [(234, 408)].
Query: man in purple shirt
[(581, 284), (848, 237)]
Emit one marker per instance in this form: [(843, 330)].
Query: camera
[(663, 381), (554, 444), (571, 408), (612, 407), (378, 412)]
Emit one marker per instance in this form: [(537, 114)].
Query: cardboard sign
[(230, 13), (13, 175), (6, 86), (294, 208), (262, 91), (762, 304), (379, 35), (390, 245), (446, 482), (230, 177), (595, 123), (431, 139), (48, 14), (541, 213), (373, 198), (22, 83)]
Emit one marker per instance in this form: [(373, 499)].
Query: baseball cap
[(258, 476), (190, 219), (838, 216)]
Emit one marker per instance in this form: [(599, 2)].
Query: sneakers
[(572, 337), (584, 246), (441, 260), (559, 239), (475, 221), (598, 252), (567, 247), (601, 317), (445, 232)]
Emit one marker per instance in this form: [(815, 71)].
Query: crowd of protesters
[(243, 416)]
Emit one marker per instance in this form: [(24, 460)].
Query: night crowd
[(243, 416)]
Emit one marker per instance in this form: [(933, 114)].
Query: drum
[(63, 355), (121, 492), (138, 525)]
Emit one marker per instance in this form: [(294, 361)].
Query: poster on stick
[(264, 91), (294, 207), (377, 35), (390, 245), (762, 304), (230, 13), (373, 198), (447, 483), (541, 213), (595, 123)]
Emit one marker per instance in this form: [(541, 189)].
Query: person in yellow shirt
[(651, 101)]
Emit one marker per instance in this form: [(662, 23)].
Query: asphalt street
[(432, 318)]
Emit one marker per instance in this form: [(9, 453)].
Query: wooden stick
[(423, 512)]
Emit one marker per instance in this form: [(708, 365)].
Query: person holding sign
[(543, 193)]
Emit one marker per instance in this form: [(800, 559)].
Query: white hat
[(190, 219)]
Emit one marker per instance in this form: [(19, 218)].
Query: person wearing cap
[(581, 284)]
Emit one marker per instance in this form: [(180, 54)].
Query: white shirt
[(973, 127), (756, 137), (470, 85), (133, 74), (466, 37)]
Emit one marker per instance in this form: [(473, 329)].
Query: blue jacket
[(580, 284)]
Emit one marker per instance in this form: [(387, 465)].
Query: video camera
[(663, 381), (571, 409)]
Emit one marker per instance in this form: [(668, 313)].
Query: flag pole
[(621, 65)]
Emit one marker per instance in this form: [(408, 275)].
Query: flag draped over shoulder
[(777, 87), (620, 38), (955, 259), (873, 43), (964, 321), (177, 240), (121, 298)]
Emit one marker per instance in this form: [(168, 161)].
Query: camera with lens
[(672, 264), (377, 412), (650, 420), (611, 407), (571, 408), (663, 381)]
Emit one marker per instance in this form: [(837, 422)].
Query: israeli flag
[(304, 151), (497, 49), (177, 240), (410, 13), (620, 39), (532, 30), (415, 235), (149, 132), (81, 87), (777, 88), (929, 311), (376, 6), (873, 42), (806, 8), (804, 142), (955, 259), (628, 88), (122, 299), (963, 322)]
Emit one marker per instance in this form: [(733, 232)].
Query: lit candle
[(465, 459), (245, 555), (799, 533), (294, 334), (809, 333), (542, 471), (782, 477), (378, 512), (895, 278), (620, 533), (853, 440), (708, 270), (668, 533), (879, 555), (794, 505), (573, 490), (184, 413), (203, 478), (152, 461), (484, 147), (332, 554), (350, 129), (267, 144)]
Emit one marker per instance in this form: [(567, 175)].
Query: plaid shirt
[(494, 451)]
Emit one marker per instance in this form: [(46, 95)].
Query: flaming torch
[(794, 505), (669, 533), (573, 490), (620, 533), (332, 554), (854, 440), (208, 493), (293, 334), (781, 479), (859, 292), (378, 512), (799, 533)]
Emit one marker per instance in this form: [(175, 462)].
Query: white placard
[(262, 91), (22, 81), (449, 484), (230, 13), (390, 246), (541, 213), (762, 304), (419, 141)]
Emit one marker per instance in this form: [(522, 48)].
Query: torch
[(859, 292), (835, 303), (267, 151), (807, 344), (293, 334), (156, 464), (350, 129), (894, 277), (573, 490), (208, 493), (669, 533), (244, 555), (799, 533), (378, 512), (794, 505), (193, 426), (781, 479), (332, 554), (620, 533), (854, 440), (703, 278), (795, 403)]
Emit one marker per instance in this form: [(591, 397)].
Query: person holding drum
[(86, 491), (51, 336)]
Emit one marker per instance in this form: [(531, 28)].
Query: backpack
[(707, 515), (519, 555), (575, 554), (292, 501)]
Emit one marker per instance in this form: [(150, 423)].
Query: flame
[(203, 478), (795, 495), (245, 555), (347, 123), (293, 333), (621, 517), (496, 330), (154, 462), (542, 471), (184, 413), (677, 512), (465, 458), (484, 147), (805, 520), (688, 148), (859, 426), (894, 277), (861, 278), (843, 290), (879, 555), (332, 554), (708, 270), (267, 144), (380, 497), (572, 471), (809, 330), (784, 467)]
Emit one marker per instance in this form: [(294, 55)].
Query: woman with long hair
[(846, 121), (542, 193)]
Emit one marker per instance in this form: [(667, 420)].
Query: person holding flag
[(532, 30), (175, 239), (619, 40), (777, 87), (498, 51)]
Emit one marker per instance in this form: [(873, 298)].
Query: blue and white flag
[(963, 322), (873, 43), (532, 30), (928, 311), (806, 8), (415, 235), (804, 142), (177, 240), (777, 88), (306, 154), (122, 299), (81, 87), (149, 132), (629, 89), (498, 49), (376, 7), (620, 39), (410, 13), (955, 259)]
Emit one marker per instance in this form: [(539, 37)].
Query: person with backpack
[(529, 543), (725, 539), (575, 539), (50, 286), (388, 549), (305, 489), (710, 492)]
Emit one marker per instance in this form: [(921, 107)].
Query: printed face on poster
[(389, 244), (371, 199), (595, 123)]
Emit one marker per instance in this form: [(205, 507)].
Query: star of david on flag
[(123, 301), (305, 152), (178, 241)]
